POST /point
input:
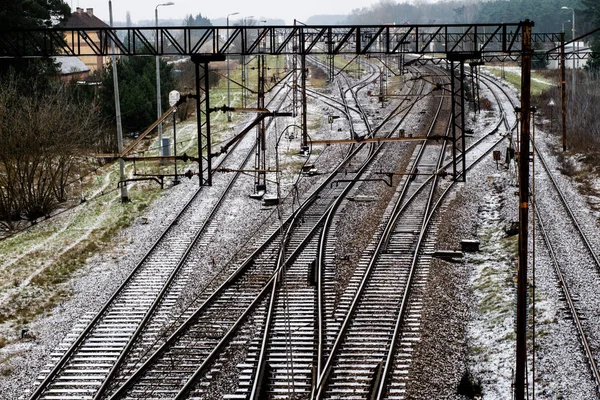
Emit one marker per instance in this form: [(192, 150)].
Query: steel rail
[(412, 271), (314, 196), (570, 303), (495, 129), (322, 378), (255, 393), (92, 324), (593, 365), (283, 262), (391, 351), (43, 386), (188, 386), (180, 264), (570, 212), (323, 245)]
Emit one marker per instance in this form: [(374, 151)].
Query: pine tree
[(137, 89)]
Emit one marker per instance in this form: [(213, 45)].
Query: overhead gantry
[(454, 43)]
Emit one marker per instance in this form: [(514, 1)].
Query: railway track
[(371, 359), (355, 348), (576, 266), (259, 310), (287, 361), (91, 355), (289, 236)]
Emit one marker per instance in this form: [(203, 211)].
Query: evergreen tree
[(593, 17), (137, 90), (18, 14), (198, 20)]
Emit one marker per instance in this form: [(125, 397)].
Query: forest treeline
[(547, 14)]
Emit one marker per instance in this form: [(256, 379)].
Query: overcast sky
[(212, 9)]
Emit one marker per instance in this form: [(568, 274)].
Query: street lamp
[(124, 194), (228, 81), (158, 105), (563, 25), (573, 48)]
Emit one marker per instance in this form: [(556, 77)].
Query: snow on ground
[(485, 208), (489, 333), (92, 286), (561, 370), (517, 71)]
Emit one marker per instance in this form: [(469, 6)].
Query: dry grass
[(582, 129), (514, 79), (49, 287), (38, 264)]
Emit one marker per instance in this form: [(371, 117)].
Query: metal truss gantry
[(489, 39), (454, 43)]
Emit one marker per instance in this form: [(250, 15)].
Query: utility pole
[(158, 95), (228, 79), (572, 52), (521, 359), (563, 88), (122, 182)]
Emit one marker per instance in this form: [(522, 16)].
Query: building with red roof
[(81, 19)]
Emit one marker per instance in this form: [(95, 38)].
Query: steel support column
[(330, 57), (457, 77), (260, 184), (301, 50), (304, 143), (331, 67), (475, 84), (563, 90), (295, 77), (244, 83), (521, 356), (204, 141)]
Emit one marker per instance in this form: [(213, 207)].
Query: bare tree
[(43, 136)]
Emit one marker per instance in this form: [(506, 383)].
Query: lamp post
[(228, 81), (124, 194), (158, 105), (573, 48), (563, 25)]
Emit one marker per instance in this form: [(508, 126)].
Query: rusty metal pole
[(563, 91), (303, 77), (207, 124), (304, 143), (199, 121), (521, 361), (260, 183)]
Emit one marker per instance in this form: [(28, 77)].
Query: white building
[(580, 60)]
